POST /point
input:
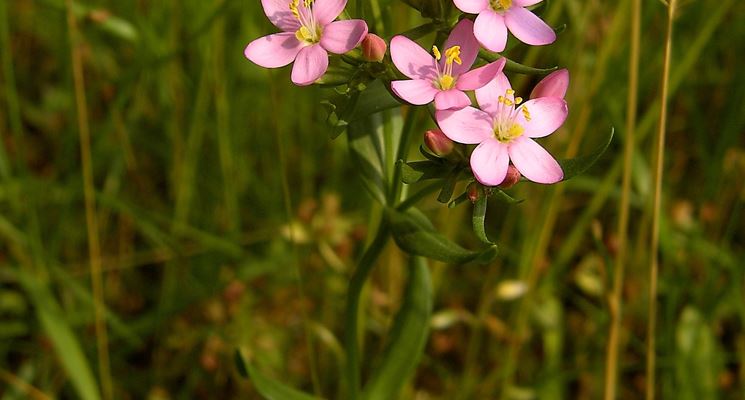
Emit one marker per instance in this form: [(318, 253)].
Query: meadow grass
[(227, 218)]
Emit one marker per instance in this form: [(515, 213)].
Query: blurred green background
[(195, 235)]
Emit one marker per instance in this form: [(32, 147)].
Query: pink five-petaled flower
[(309, 31), (495, 16), (504, 130), (438, 78)]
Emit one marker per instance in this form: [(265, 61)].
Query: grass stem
[(616, 296), (94, 247), (656, 205)]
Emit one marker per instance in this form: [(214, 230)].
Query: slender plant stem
[(616, 297), (403, 150), (29, 390), (11, 93), (298, 276), (657, 201), (94, 247), (353, 304)]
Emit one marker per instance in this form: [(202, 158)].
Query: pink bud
[(440, 144), (373, 47), (473, 192), (512, 177), (554, 84)]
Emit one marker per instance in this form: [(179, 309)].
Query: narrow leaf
[(479, 218), (448, 187), (416, 171), (512, 66), (579, 165), (407, 338), (417, 237), (269, 388)]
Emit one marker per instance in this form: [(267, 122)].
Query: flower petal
[(411, 59), (462, 35), (534, 162), (451, 99), (416, 91), (326, 11), (488, 96), (311, 63), (525, 3), (278, 12), (273, 51), (472, 6), (341, 36), (527, 27), (489, 162), (491, 31), (546, 116), (479, 77), (554, 84), (468, 125)]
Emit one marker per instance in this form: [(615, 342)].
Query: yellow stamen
[(453, 54), (293, 8), (500, 5), (307, 3), (518, 100), (436, 52), (526, 113)]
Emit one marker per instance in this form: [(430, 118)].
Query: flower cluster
[(503, 126)]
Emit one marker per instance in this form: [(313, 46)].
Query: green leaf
[(448, 187), (504, 197), (415, 235), (407, 338), (415, 171), (57, 329), (479, 217), (345, 108), (269, 388), (579, 165), (512, 66)]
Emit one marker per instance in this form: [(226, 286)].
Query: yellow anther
[(510, 92), (436, 52), (501, 99), (505, 4), (307, 3), (508, 102), (453, 54), (526, 113), (518, 100), (293, 8)]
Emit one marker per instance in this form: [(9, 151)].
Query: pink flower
[(438, 78), (554, 84), (504, 130), (495, 16), (309, 32)]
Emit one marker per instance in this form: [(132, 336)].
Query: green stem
[(422, 193), (352, 312), (403, 150)]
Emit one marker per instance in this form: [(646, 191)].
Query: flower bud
[(438, 143), (554, 84), (473, 192), (373, 47), (512, 177)]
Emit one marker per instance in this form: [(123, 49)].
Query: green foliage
[(201, 256)]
